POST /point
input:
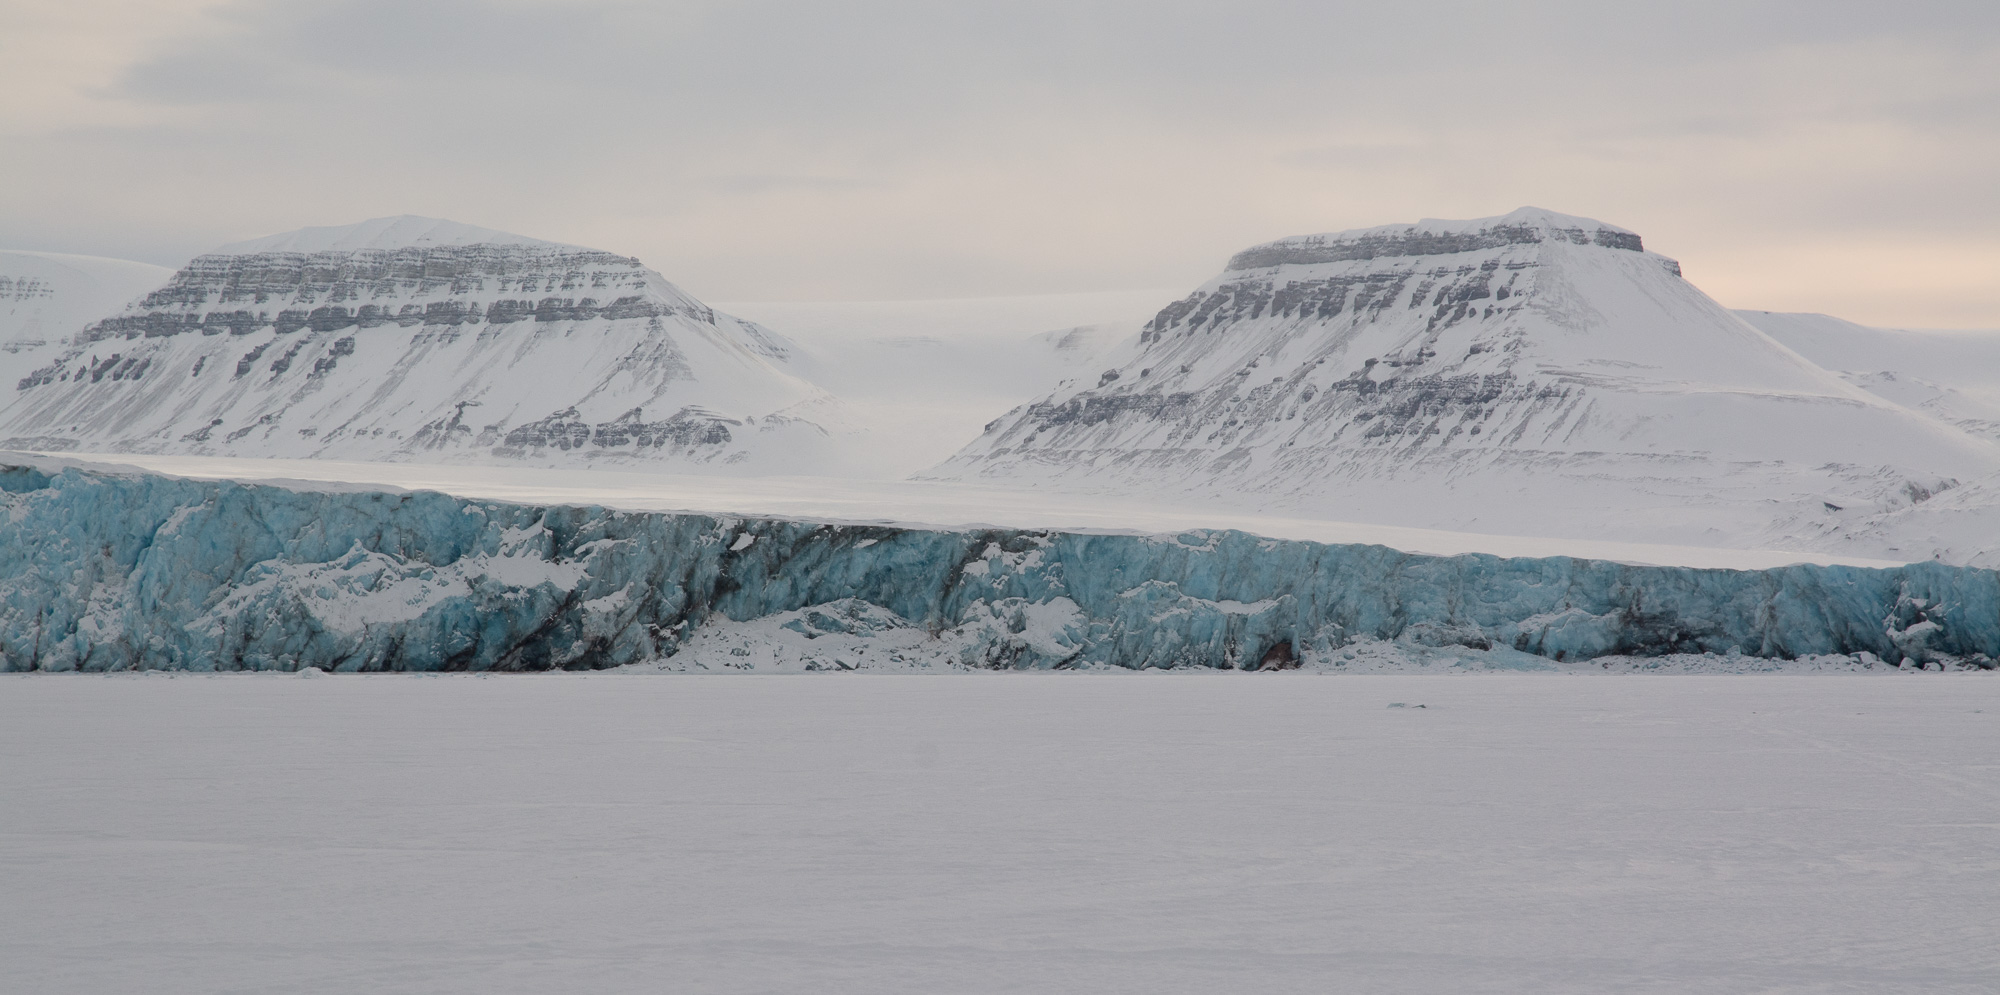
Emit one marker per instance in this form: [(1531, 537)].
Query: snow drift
[(113, 570)]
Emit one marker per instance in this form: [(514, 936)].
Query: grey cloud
[(759, 183), (700, 134), (823, 69)]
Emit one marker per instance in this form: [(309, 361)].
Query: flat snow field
[(1000, 833)]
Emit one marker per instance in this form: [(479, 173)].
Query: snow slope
[(1951, 375), (121, 570), (1531, 374), (47, 296), (419, 339)]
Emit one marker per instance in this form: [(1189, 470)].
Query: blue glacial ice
[(104, 570)]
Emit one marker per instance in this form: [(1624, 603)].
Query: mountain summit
[(417, 338), (1533, 373), (400, 232)]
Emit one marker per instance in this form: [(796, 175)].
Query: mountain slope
[(1535, 374), (1950, 375), (415, 338), (45, 296)]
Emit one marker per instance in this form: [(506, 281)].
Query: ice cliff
[(112, 570)]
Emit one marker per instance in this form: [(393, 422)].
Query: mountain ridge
[(392, 232)]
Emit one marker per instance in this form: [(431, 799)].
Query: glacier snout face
[(117, 570)]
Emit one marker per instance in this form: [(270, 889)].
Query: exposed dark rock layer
[(220, 294)]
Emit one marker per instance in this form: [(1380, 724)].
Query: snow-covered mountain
[(1950, 375), (46, 296), (414, 338), (1533, 374)]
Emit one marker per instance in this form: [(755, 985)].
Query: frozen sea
[(1000, 833)]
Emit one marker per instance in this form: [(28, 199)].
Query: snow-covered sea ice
[(1010, 832)]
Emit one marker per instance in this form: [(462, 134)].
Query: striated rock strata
[(1532, 374), (410, 338)]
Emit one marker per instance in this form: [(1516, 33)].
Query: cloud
[(877, 149)]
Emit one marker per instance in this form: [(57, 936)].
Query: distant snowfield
[(47, 296), (1001, 833), (917, 380), (914, 503), (1951, 375)]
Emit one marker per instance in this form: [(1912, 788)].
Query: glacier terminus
[(108, 569)]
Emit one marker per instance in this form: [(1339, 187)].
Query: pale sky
[(1826, 156)]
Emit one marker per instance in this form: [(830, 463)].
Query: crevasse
[(103, 570)]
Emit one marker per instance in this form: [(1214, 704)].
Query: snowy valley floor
[(1135, 832)]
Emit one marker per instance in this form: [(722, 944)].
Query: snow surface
[(917, 379), (45, 297), (1951, 375), (915, 504), (1527, 374), (1954, 376), (1003, 833)]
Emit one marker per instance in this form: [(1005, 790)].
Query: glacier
[(103, 569)]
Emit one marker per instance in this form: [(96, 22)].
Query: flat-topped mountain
[(416, 338), (1533, 373)]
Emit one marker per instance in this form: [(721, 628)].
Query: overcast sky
[(1831, 156)]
